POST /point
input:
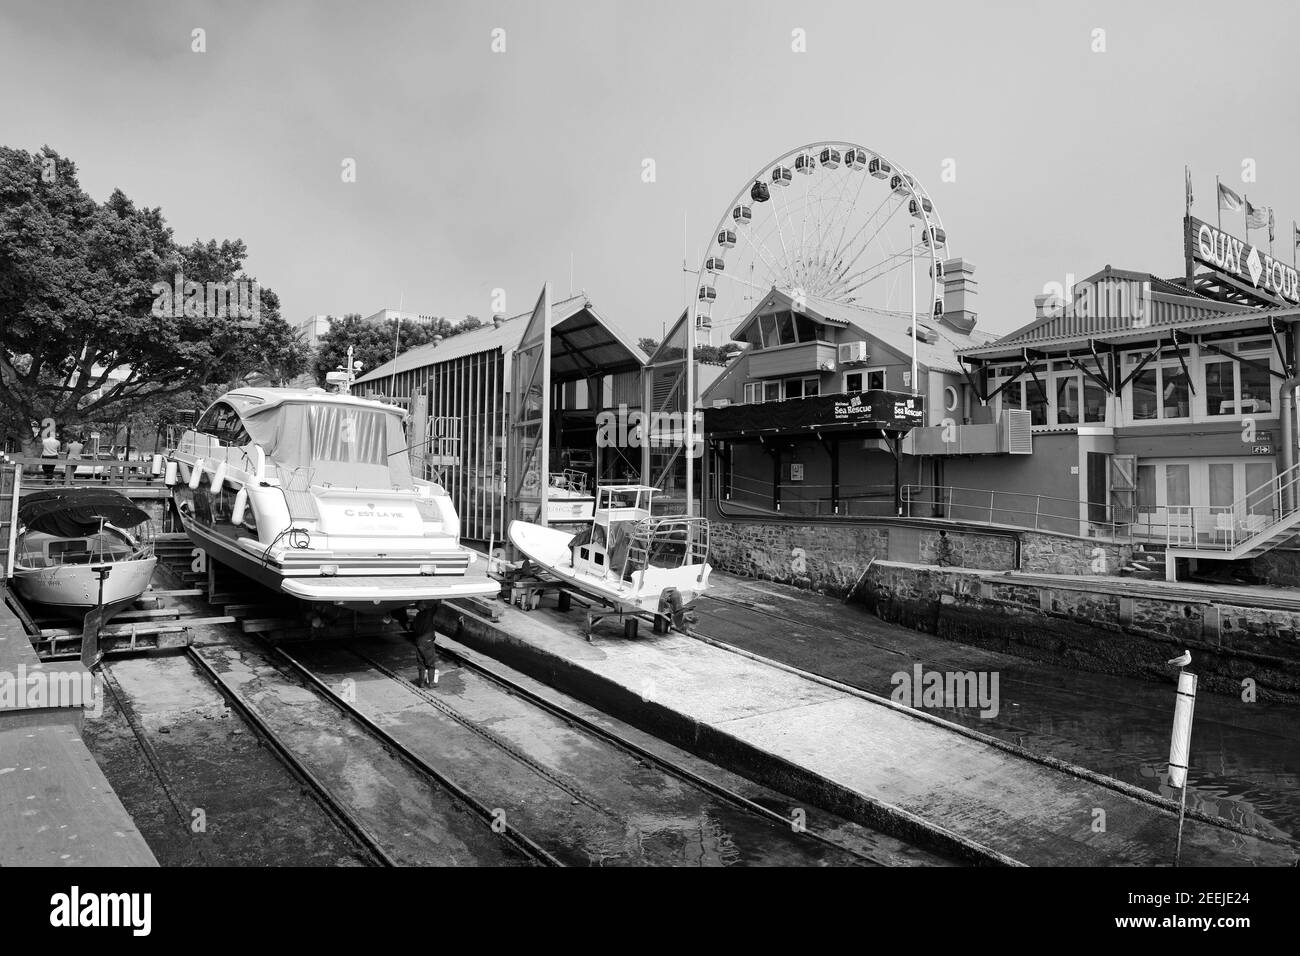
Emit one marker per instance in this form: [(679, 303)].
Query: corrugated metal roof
[(600, 342), (1168, 312)]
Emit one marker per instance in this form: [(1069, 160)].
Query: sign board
[(1238, 259), (875, 408)]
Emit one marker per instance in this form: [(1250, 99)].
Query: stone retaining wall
[(1094, 630), (831, 556)]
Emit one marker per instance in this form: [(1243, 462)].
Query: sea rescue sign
[(1243, 261)]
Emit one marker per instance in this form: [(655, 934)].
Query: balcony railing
[(970, 505)]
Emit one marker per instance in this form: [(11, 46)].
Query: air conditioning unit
[(852, 352)]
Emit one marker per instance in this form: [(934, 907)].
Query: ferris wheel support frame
[(812, 148)]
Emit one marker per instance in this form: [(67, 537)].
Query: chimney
[(1046, 304), (497, 319), (959, 288)]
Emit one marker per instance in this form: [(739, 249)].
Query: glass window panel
[(768, 325), (811, 387), (1178, 485), (1256, 385), (771, 391), (809, 331), (1067, 399), (1146, 488), (1175, 392), (1011, 396), (1037, 396), (1259, 493), (1220, 388), (785, 326), (853, 382), (794, 388), (1222, 493), (876, 378), (1144, 395), (1094, 403)]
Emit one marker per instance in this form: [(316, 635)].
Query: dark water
[(1245, 757)]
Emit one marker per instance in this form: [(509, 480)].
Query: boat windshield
[(340, 444)]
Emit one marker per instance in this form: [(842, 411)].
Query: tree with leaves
[(83, 338), (374, 343)]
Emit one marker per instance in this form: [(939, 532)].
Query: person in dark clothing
[(423, 635)]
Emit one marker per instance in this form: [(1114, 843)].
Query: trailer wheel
[(564, 601), (629, 628)]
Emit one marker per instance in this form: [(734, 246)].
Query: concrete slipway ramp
[(902, 771)]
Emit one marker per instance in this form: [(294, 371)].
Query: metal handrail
[(1228, 527), (992, 504)]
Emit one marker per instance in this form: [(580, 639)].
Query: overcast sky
[(478, 170)]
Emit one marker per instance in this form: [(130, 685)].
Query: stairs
[(1148, 562), (1264, 518)]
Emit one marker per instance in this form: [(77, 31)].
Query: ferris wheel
[(829, 223)]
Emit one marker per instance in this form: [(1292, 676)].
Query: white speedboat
[(569, 499), (628, 559), (78, 548), (311, 494)]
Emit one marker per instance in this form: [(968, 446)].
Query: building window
[(774, 390), (1161, 390), (1067, 399), (800, 387), (871, 378)]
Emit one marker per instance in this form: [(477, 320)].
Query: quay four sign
[(1237, 258)]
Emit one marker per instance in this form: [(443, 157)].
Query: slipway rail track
[(622, 742), (619, 803), (530, 847)]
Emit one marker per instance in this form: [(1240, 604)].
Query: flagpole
[(915, 385), (1245, 213), (1294, 231), (1218, 202)]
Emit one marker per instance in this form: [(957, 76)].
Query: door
[(1097, 486), (1123, 488), (530, 416), (418, 439)]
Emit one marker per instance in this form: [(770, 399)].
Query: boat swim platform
[(56, 806), (902, 771)]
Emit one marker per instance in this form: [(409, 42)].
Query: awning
[(77, 512)]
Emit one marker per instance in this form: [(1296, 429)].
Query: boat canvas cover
[(77, 512), (338, 444)]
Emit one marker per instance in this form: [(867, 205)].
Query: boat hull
[(370, 594), (73, 589), (549, 549)]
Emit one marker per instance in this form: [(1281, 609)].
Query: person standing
[(50, 453), (75, 447), (424, 636)]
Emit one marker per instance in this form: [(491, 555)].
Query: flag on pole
[(1270, 224), (1187, 171), (1228, 199), (1256, 216)]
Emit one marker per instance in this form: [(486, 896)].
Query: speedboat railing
[(668, 542)]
